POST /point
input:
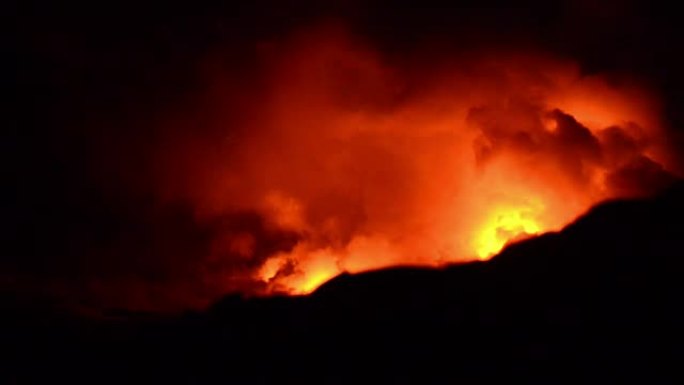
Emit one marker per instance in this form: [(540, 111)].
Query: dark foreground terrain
[(599, 302)]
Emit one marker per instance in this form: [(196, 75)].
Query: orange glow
[(503, 226), (366, 164), (314, 268)]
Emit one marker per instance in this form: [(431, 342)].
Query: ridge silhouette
[(598, 302)]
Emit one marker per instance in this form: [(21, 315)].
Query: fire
[(353, 162)]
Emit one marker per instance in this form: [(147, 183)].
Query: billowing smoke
[(347, 161), (276, 163)]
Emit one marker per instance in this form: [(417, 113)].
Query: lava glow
[(353, 162), (504, 225)]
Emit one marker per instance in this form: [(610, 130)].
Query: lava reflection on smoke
[(367, 164)]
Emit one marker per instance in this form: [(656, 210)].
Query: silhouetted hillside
[(599, 302)]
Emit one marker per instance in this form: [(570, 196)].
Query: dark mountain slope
[(599, 302)]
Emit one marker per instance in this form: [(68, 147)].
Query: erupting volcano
[(343, 192), (351, 162)]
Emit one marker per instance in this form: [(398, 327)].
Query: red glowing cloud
[(353, 162)]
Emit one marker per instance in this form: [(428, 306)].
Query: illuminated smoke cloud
[(285, 162), (348, 161)]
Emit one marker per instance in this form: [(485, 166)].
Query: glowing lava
[(504, 225)]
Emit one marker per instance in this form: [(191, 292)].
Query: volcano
[(340, 192)]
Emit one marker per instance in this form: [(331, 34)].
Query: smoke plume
[(364, 163)]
